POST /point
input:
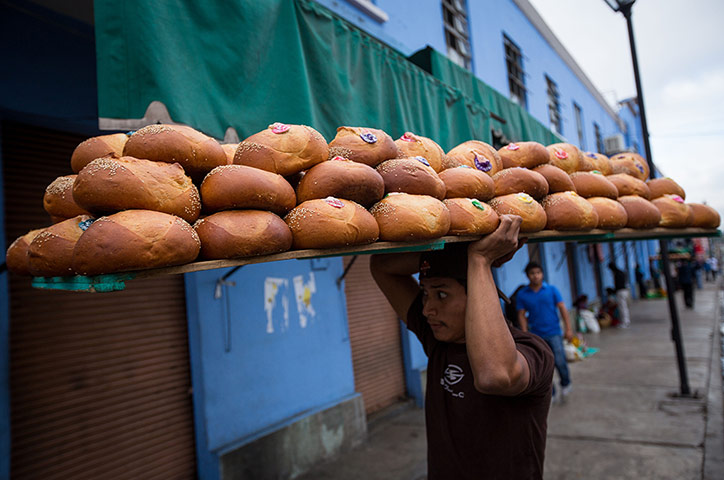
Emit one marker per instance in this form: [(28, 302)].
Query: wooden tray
[(116, 281)]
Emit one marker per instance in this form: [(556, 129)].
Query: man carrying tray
[(488, 383)]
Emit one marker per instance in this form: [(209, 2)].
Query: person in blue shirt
[(538, 305)]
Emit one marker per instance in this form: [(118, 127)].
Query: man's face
[(535, 276), (443, 304)]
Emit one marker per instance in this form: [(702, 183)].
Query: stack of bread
[(132, 198)]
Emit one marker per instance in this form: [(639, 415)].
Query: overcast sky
[(680, 47)]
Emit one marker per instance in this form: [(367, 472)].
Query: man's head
[(534, 272), (443, 279), (612, 266)]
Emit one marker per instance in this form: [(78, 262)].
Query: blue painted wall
[(489, 20), (586, 273), (411, 26), (512, 274), (49, 65), (275, 346), (415, 24), (556, 271)]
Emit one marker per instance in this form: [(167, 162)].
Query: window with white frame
[(554, 106), (516, 75), (457, 38), (579, 125)]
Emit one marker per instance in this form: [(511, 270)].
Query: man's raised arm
[(393, 274)]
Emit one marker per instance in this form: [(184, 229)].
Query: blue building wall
[(586, 272), (273, 347), (415, 24), (556, 270), (512, 274), (490, 20)]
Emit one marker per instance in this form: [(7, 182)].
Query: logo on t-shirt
[(452, 375)]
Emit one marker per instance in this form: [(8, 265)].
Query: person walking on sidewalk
[(542, 303), (488, 383), (685, 272), (622, 295)]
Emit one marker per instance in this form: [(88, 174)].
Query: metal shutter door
[(375, 339), (100, 383)]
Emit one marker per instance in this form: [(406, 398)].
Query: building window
[(516, 75), (554, 106), (600, 147), (455, 19), (579, 125)]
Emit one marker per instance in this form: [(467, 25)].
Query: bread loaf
[(470, 216), (641, 213), (135, 240), (96, 147), (108, 185), (365, 145), (50, 254), (567, 157), (467, 182), (523, 205), (236, 187), (344, 179), (593, 184), (411, 175), (58, 199), (674, 212), (411, 145), (703, 216), (523, 154), (16, 257), (611, 214), (517, 180), (663, 186), (283, 149), (475, 154), (404, 217), (600, 162), (569, 211), (630, 163), (197, 153), (331, 223), (230, 151), (558, 180), (628, 185), (242, 233)]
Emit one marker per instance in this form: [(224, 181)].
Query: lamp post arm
[(626, 11)]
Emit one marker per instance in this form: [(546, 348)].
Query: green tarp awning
[(248, 64)]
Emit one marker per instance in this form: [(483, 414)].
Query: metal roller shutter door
[(100, 383), (375, 339)]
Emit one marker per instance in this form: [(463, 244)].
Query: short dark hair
[(451, 262), (531, 266)]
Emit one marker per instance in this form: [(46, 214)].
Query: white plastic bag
[(589, 319)]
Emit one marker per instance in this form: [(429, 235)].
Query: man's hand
[(568, 335), (500, 246)]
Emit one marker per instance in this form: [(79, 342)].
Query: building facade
[(271, 368)]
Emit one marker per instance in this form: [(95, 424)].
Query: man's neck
[(535, 287)]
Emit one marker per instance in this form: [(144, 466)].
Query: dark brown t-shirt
[(471, 435)]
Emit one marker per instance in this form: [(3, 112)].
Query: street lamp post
[(624, 6)]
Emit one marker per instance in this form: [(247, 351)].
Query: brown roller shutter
[(375, 339), (99, 383)]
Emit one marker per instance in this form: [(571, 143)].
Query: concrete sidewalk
[(623, 420)]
